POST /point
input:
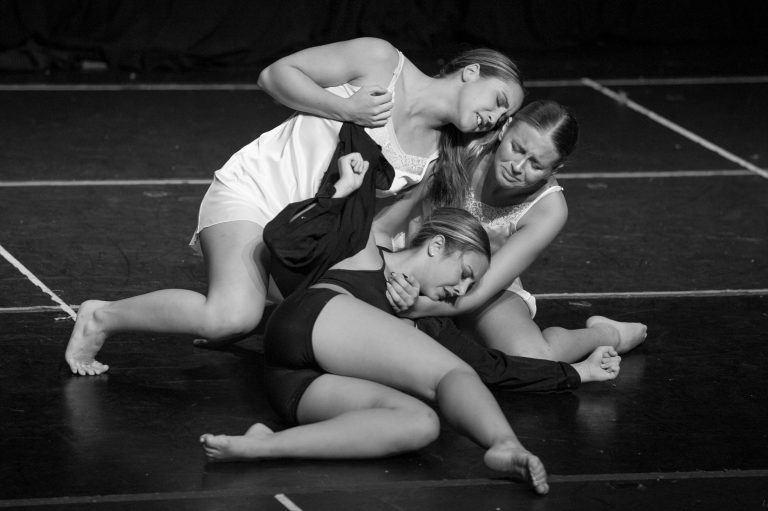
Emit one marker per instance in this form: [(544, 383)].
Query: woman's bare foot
[(601, 365), (630, 334), (86, 341), (516, 460), (237, 448)]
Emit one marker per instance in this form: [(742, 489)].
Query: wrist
[(326, 191), (342, 189), (342, 109), (583, 371)]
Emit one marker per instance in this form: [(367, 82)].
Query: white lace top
[(287, 163), (501, 222), (409, 169)]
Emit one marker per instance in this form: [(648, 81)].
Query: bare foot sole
[(630, 334), (520, 463), (86, 341), (237, 448)]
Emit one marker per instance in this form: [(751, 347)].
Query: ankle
[(99, 319), (506, 443), (608, 335)]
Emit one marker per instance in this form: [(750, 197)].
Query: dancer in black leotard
[(291, 364), (357, 364)]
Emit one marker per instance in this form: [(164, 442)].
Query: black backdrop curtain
[(196, 34)]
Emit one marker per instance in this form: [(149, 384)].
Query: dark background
[(563, 38)]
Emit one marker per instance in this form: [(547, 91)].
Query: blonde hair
[(493, 64), (461, 230), (448, 184), (555, 119)]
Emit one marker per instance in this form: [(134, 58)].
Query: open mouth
[(481, 124), (448, 297)]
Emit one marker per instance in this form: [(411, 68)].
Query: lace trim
[(493, 216), (409, 169)]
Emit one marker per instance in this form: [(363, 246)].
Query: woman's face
[(449, 276), (483, 101), (526, 156)]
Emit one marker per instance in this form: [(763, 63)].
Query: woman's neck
[(428, 100), (399, 262), (419, 114)]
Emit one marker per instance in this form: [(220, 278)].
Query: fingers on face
[(400, 278)]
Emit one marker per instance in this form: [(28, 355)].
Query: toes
[(88, 369), (538, 475), (98, 367)]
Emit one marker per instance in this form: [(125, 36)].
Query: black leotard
[(291, 365)]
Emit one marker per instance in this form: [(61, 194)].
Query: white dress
[(287, 163), (501, 223)]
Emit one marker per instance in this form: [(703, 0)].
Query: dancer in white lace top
[(365, 81), (514, 193)]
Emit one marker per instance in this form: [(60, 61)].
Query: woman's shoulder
[(549, 204), (376, 50), (551, 189), (369, 258)]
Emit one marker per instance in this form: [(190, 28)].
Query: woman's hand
[(402, 291), (352, 169), (370, 106), (603, 364)]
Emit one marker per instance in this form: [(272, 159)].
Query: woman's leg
[(341, 417), (354, 339), (235, 256), (506, 325)]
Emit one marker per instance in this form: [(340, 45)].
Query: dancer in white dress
[(366, 81), (514, 193)]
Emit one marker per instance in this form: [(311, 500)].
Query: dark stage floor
[(668, 226)]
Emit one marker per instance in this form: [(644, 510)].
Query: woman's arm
[(536, 230), (297, 80), (498, 370), (394, 214)]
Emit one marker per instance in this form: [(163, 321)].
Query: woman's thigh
[(237, 261), (330, 395), (506, 325), (352, 338)]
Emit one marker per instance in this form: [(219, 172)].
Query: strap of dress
[(529, 205), (396, 74)]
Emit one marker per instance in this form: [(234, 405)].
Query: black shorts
[(290, 365)]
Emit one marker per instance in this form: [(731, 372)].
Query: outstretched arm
[(535, 232), (497, 369), (298, 80), (500, 371)]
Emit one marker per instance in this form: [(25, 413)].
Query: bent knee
[(423, 429), (225, 323)]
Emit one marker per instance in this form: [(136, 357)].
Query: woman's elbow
[(264, 78)]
